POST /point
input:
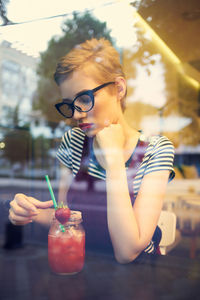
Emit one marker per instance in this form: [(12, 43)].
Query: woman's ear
[(121, 87)]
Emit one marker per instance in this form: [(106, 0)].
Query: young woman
[(126, 174)]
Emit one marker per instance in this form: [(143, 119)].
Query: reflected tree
[(3, 12), (189, 105), (182, 97), (142, 56), (75, 31), (17, 145), (42, 146), (17, 140)]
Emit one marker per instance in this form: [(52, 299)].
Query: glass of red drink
[(66, 245)]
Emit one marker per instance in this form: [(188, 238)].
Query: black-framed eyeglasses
[(83, 102)]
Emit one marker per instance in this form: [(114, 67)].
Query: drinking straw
[(53, 198), (51, 191)]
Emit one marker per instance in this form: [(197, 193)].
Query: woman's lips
[(85, 126)]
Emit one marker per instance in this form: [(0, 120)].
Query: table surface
[(24, 274)]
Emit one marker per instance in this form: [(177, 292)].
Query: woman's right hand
[(24, 209)]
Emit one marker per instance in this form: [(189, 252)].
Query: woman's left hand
[(111, 140)]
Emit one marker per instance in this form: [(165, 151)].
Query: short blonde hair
[(98, 53)]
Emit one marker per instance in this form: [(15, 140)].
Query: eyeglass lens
[(66, 110), (82, 103)]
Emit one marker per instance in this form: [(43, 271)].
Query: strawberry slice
[(62, 213)]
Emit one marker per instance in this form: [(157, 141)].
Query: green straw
[(51, 191), (53, 198)]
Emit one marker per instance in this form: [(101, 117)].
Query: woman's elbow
[(127, 254), (125, 258)]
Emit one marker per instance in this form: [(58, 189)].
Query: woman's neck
[(131, 135)]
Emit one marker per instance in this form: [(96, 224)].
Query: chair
[(170, 236)]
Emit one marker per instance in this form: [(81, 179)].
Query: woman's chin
[(90, 132)]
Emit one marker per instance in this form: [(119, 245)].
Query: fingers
[(20, 210), (39, 204), (17, 219), (22, 201), (31, 204), (23, 209)]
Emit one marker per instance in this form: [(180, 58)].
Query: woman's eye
[(85, 99)]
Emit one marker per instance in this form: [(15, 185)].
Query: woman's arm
[(64, 184), (131, 228)]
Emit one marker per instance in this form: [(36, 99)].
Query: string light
[(58, 16)]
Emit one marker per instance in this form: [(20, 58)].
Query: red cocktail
[(66, 250)]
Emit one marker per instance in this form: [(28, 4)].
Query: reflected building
[(18, 82)]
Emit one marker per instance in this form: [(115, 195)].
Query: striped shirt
[(159, 155)]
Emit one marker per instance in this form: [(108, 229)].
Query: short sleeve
[(64, 151), (161, 157)]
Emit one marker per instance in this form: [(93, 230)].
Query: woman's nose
[(79, 114)]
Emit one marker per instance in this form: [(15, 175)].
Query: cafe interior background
[(159, 46)]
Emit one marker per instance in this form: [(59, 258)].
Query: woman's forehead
[(77, 81)]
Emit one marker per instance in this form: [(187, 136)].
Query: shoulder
[(159, 143), (159, 155), (70, 150), (73, 135)]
